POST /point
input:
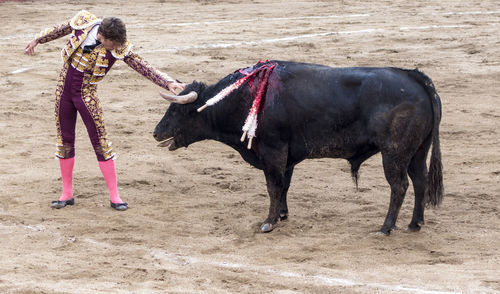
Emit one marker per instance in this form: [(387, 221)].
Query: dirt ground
[(193, 222)]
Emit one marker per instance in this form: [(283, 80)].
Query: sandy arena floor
[(195, 213)]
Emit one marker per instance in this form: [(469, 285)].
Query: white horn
[(182, 99)]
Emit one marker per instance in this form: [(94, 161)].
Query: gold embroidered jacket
[(99, 61)]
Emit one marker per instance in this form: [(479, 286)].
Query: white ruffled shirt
[(91, 37)]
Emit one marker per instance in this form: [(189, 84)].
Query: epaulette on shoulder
[(121, 52), (83, 19)]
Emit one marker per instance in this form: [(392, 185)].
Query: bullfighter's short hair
[(113, 29)]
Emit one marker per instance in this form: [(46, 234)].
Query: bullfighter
[(94, 46)]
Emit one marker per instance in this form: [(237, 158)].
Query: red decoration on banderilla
[(262, 74)]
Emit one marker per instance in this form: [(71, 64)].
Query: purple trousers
[(78, 96)]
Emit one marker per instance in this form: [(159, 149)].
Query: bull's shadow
[(315, 111)]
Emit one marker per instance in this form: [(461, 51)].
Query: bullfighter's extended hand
[(30, 48), (176, 87)]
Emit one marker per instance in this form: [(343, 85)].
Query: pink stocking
[(109, 173), (66, 165)]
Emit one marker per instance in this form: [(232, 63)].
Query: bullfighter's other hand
[(176, 87), (30, 48)]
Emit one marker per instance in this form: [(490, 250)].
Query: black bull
[(314, 111)]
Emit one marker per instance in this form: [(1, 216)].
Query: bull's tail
[(435, 188)]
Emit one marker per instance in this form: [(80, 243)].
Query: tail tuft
[(435, 186)]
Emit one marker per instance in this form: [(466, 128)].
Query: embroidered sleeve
[(53, 33), (144, 68)]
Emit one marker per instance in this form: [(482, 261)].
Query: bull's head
[(182, 124)]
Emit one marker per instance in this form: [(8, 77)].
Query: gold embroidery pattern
[(74, 45), (80, 60), (83, 19), (95, 62), (144, 68), (91, 101), (94, 65), (61, 151), (53, 33), (100, 64), (123, 51), (89, 96)]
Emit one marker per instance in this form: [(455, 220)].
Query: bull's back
[(334, 112)]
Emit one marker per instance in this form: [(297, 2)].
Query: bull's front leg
[(277, 181), (283, 205)]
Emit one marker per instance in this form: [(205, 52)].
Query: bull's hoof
[(267, 227), (386, 230), (283, 216), (383, 232), (413, 228)]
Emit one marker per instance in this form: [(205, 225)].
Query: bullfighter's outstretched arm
[(53, 33), (82, 20), (144, 68), (47, 35)]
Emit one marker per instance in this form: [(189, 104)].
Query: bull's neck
[(226, 127), (225, 120)]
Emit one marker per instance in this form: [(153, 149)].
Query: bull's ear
[(181, 99)]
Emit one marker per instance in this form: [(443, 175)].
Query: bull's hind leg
[(418, 174), (395, 169)]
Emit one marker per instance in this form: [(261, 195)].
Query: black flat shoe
[(60, 204), (119, 206)]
